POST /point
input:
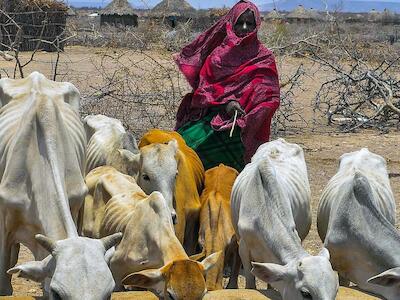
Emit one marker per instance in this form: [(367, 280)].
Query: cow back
[(43, 146)]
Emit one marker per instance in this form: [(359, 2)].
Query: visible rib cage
[(41, 137), (117, 215)]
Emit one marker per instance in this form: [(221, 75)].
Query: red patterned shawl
[(222, 67)]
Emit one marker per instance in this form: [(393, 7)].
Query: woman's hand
[(233, 106)]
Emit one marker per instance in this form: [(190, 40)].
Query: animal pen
[(29, 25)]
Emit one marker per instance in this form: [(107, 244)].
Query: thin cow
[(150, 255), (271, 214), (109, 144), (356, 218), (154, 167), (42, 147), (216, 229)]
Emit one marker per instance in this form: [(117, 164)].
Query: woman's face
[(245, 24)]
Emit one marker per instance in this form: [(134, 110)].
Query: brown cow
[(149, 255), (216, 229)]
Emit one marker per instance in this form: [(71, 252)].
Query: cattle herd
[(101, 213)]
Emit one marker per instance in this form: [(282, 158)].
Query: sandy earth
[(322, 151)]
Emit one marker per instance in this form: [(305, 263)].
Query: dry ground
[(322, 151)]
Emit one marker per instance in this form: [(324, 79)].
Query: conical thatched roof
[(374, 15), (118, 7), (173, 8), (273, 15), (299, 13)]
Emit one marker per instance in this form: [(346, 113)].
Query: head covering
[(222, 67)]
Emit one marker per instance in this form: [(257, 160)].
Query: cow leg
[(191, 235), (235, 267), (245, 257), (5, 261)]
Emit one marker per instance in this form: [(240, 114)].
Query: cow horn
[(111, 240), (46, 242)]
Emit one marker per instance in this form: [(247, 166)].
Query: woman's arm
[(231, 107)]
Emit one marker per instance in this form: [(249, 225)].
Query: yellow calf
[(216, 229)]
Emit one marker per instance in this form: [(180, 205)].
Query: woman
[(235, 90)]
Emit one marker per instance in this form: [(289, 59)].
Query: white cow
[(42, 147), (154, 167), (271, 213), (356, 219), (109, 144)]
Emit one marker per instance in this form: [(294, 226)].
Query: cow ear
[(129, 143), (325, 253), (387, 278), (144, 279), (210, 261), (127, 155), (269, 272), (132, 159), (174, 144), (33, 270)]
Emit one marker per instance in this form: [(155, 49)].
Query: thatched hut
[(274, 16), (172, 12), (35, 25), (119, 13), (373, 15), (300, 15), (388, 17)]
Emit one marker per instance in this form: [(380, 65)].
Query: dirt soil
[(322, 151)]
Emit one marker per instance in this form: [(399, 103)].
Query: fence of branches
[(128, 73)]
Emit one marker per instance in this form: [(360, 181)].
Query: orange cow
[(216, 229), (188, 186)]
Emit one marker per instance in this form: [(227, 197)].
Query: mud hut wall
[(36, 26), (166, 20)]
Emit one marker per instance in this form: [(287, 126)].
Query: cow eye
[(306, 294), (146, 177)]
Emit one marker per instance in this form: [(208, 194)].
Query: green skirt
[(214, 147)]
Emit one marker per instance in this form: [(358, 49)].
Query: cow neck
[(374, 240), (50, 197), (171, 249), (284, 244), (49, 114), (276, 214)]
